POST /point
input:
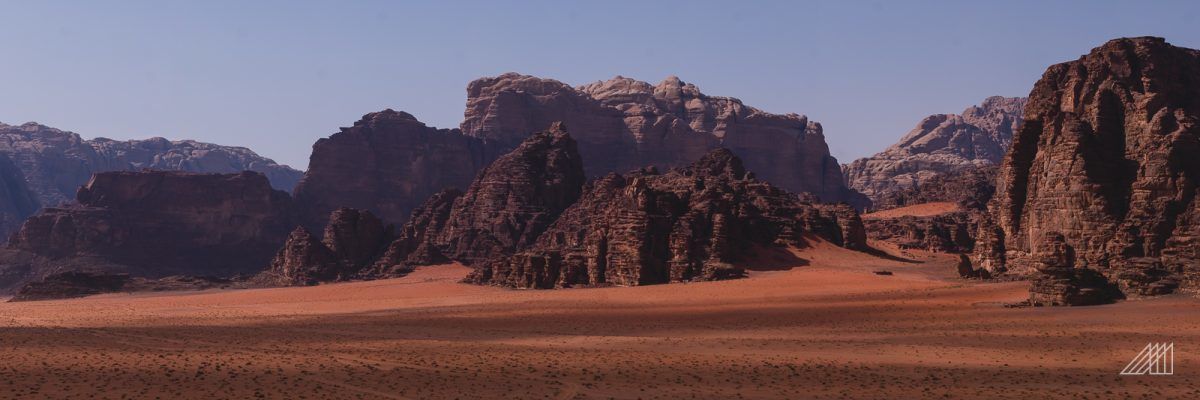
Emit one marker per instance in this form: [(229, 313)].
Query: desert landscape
[(1034, 235), (819, 324)]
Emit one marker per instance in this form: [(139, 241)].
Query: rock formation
[(514, 199), (1107, 158), (387, 163), (55, 162), (1059, 283), (946, 233), (352, 241), (940, 144), (953, 232), (623, 124), (971, 188), (71, 284), (506, 207), (692, 223), (154, 224)]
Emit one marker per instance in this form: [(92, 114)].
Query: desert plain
[(814, 322)]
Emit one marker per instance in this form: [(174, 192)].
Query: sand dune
[(827, 329), (918, 210)]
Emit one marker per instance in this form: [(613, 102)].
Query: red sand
[(828, 329), (919, 210)]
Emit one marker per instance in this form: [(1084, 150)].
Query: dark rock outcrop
[(1107, 158), (71, 284), (155, 224), (352, 241), (692, 223), (1059, 283), (624, 124), (514, 199), (55, 162), (940, 144), (387, 163)]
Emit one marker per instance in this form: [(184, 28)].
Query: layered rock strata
[(940, 144), (154, 224), (623, 124), (689, 224), (1106, 157)]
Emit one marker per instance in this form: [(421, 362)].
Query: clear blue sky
[(276, 76)]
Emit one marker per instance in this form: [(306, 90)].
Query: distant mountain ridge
[(940, 144), (51, 164)]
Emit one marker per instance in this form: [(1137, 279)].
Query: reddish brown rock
[(156, 224), (514, 199), (1107, 158), (940, 144), (643, 228), (946, 233), (387, 163), (1057, 281), (623, 124), (416, 244), (352, 241)]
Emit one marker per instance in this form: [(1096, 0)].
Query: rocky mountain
[(940, 144), (690, 224), (1107, 158), (57, 162), (387, 163), (624, 124), (154, 224)]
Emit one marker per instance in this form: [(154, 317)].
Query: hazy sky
[(276, 76)]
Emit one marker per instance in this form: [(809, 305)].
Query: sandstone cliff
[(624, 124), (940, 144), (154, 224), (1107, 158), (387, 163)]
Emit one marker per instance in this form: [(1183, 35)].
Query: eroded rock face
[(352, 241), (689, 224), (514, 199), (1107, 158), (155, 224), (624, 124), (55, 162), (387, 163), (1059, 283), (940, 144)]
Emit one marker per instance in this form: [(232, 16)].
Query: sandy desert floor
[(827, 328)]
